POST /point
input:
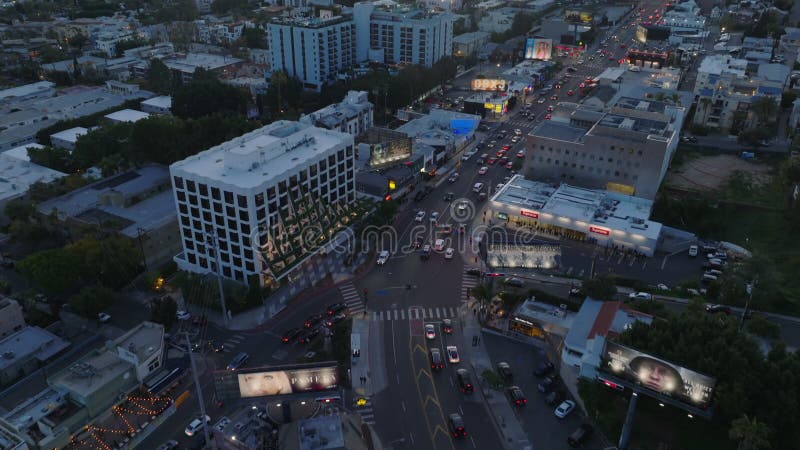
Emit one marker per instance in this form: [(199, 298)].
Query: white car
[(383, 256), (693, 250), (483, 170), (420, 215), (195, 425), (662, 287), (462, 206), (564, 409), (448, 254), (430, 331), (103, 317), (183, 315), (640, 296), (541, 100), (453, 178), (466, 156), (452, 354), (434, 216)]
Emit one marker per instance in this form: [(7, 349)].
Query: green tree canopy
[(92, 300), (159, 77), (164, 311), (204, 96), (600, 288)]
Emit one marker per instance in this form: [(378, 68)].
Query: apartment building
[(395, 34), (254, 194), (353, 115), (625, 149), (315, 50)]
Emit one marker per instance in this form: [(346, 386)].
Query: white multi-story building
[(354, 115), (315, 50), (247, 191), (401, 35)]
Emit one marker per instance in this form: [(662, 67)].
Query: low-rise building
[(26, 350), (602, 217), (790, 41), (157, 105), (127, 115), (10, 439), (137, 205), (497, 20), (353, 115), (446, 131), (68, 138), (335, 432), (468, 43), (11, 319), (41, 89), (19, 174)]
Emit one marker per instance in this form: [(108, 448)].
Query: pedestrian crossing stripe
[(441, 312), (367, 413), (351, 298)]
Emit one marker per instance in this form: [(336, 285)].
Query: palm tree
[(764, 108), (482, 293), (751, 434), (704, 103)]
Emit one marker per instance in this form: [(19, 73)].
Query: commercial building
[(606, 218), (26, 350), (335, 432), (68, 138), (353, 115), (137, 205), (127, 115), (255, 192), (11, 319), (444, 130), (315, 50), (157, 105), (183, 67), (596, 322), (19, 174), (468, 43), (10, 439), (401, 34), (41, 89), (627, 148)]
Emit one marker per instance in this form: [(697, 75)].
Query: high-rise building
[(314, 50), (251, 197)]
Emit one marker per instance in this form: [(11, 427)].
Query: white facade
[(243, 190), (354, 115), (68, 138), (314, 50)]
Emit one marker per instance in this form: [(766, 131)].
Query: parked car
[(103, 317), (544, 369), (564, 409), (640, 296), (581, 435), (546, 385), (693, 251), (504, 370), (169, 445), (195, 425), (183, 315), (554, 397)]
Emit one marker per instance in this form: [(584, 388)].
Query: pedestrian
[(474, 311)]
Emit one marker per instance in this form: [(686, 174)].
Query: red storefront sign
[(527, 213), (599, 230)]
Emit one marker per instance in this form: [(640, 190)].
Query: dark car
[(553, 398), (713, 309), (312, 320), (474, 271), (581, 435), (418, 243), (516, 282), (335, 319), (543, 369), (575, 292), (447, 326), (217, 347), (291, 335), (419, 196), (456, 424), (335, 308), (449, 196), (436, 359), (308, 335), (238, 361), (504, 370), (464, 381), (516, 396), (546, 385)]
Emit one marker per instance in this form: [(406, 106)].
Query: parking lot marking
[(403, 314)]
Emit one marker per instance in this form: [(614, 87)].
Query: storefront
[(605, 218)]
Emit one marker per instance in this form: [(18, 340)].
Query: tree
[(254, 37), (600, 288), (788, 98), (55, 271), (764, 108), (51, 157), (203, 96), (91, 300), (226, 6), (159, 77), (482, 293), (750, 433), (164, 311), (753, 136)]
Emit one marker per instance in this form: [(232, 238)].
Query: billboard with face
[(538, 48), (288, 381), (680, 383)]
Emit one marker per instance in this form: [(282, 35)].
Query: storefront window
[(526, 328)]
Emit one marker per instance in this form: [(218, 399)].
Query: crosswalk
[(367, 413), (432, 313), (232, 342), (355, 304), (467, 283)]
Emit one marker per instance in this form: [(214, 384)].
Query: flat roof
[(27, 89), (557, 130), (321, 433), (29, 342), (162, 101), (466, 38), (619, 212), (91, 373), (17, 175), (150, 213), (192, 61), (265, 155), (127, 115), (144, 340), (531, 309), (29, 412), (70, 135), (21, 152)]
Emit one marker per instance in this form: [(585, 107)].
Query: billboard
[(486, 84), (538, 48), (657, 375), (287, 381), (575, 16)]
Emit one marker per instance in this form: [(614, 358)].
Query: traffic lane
[(541, 425)]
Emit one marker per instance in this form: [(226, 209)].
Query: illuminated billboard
[(575, 16), (657, 375), (486, 84), (538, 48), (280, 382)]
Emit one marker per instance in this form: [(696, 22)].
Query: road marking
[(394, 351), (403, 314), (280, 354)]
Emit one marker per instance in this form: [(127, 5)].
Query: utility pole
[(749, 286), (212, 241), (199, 390), (140, 234)]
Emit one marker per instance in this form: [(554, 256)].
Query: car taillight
[(465, 432), (455, 434), (285, 339), (330, 312)]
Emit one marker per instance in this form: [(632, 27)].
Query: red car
[(622, 46), (582, 85), (547, 117), (611, 58), (506, 147), (570, 93), (520, 154), (491, 161)]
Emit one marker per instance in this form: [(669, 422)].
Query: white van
[(708, 278), (477, 187), (438, 245), (635, 69)]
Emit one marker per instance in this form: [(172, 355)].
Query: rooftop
[(21, 152), (9, 95), (466, 38), (309, 22), (162, 102), (42, 403), (331, 116), (91, 373), (9, 440), (531, 309), (263, 156), (17, 175), (127, 115), (558, 130), (70, 135), (719, 64), (27, 342), (118, 200), (321, 433), (192, 61), (621, 213), (599, 318), (142, 340), (439, 121)]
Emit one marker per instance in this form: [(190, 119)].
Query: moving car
[(521, 154), (693, 251), (581, 435), (183, 315), (564, 409), (383, 256), (662, 287), (434, 216), (420, 215), (453, 177), (334, 308), (570, 92), (436, 359), (509, 165), (312, 320), (169, 445), (640, 296), (491, 161), (456, 424), (218, 347), (516, 282), (238, 361), (335, 319), (195, 425), (308, 335), (426, 252), (516, 396), (481, 171), (103, 317), (448, 254), (291, 335), (418, 242), (548, 116), (504, 370), (713, 309), (464, 381), (452, 354), (447, 326), (430, 331)]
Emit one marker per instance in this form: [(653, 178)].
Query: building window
[(215, 193), (178, 182)]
